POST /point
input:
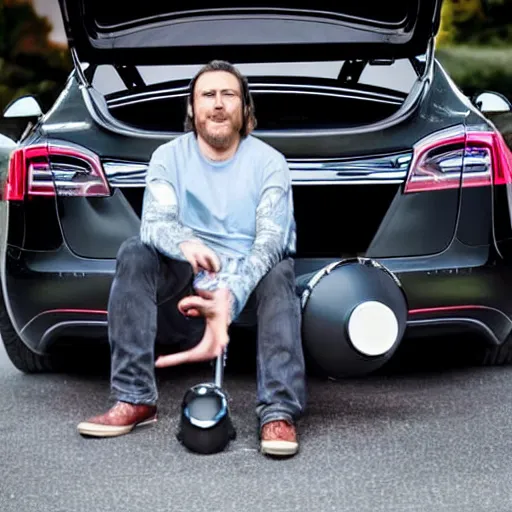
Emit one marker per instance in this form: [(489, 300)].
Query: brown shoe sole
[(96, 430)]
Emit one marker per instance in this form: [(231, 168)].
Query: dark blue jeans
[(143, 312)]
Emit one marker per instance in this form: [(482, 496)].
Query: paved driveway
[(431, 441)]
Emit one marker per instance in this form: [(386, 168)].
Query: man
[(217, 235)]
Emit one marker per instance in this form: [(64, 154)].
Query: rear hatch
[(127, 47), (159, 32)]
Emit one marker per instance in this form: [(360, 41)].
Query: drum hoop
[(329, 268)]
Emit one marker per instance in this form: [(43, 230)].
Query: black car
[(401, 182)]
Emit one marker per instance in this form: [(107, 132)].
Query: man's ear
[(190, 112)]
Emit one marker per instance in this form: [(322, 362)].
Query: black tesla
[(401, 182)]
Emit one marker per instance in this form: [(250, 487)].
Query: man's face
[(218, 108)]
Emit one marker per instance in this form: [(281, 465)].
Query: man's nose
[(218, 101)]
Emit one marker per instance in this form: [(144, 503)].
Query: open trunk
[(287, 96), (276, 109), (171, 32)]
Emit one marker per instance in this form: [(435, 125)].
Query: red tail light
[(50, 169), (454, 158), (501, 155)]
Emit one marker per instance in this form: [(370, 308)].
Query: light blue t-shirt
[(218, 200), (242, 208)]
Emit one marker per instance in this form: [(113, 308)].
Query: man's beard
[(219, 140)]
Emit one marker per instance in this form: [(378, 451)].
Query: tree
[(476, 22), (446, 33), (29, 62), (474, 44)]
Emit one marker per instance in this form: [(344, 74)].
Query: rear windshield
[(398, 76)]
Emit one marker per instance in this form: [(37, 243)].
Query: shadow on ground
[(414, 355)]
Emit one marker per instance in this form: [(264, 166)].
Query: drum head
[(354, 317)]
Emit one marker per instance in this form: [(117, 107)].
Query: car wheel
[(20, 355)]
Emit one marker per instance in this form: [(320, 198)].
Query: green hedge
[(476, 68)]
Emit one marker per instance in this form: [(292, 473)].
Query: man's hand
[(216, 308), (200, 256)]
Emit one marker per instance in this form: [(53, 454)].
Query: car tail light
[(455, 158), (51, 169)]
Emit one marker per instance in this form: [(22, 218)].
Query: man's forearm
[(160, 224), (275, 238)]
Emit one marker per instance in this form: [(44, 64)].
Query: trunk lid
[(160, 32)]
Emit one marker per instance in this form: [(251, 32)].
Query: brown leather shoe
[(120, 419), (279, 438)]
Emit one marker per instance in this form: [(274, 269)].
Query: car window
[(107, 80), (399, 76)]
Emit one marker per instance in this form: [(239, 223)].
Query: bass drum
[(354, 314)]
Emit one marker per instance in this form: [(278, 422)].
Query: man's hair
[(248, 117)]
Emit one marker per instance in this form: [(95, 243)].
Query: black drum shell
[(327, 305)]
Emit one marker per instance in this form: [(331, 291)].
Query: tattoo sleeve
[(275, 238), (160, 224)]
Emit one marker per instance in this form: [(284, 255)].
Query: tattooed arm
[(275, 231), (275, 239), (160, 225)]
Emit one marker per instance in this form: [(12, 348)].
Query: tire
[(20, 355)]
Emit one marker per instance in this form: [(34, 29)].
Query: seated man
[(217, 235)]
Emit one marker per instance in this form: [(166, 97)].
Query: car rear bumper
[(58, 294)]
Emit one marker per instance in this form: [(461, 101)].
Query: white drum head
[(372, 328)]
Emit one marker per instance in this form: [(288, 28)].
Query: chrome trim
[(179, 91), (297, 183), (316, 278), (384, 170), (375, 179), (354, 166), (158, 97), (325, 271), (125, 174)]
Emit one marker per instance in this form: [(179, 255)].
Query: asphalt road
[(430, 440)]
